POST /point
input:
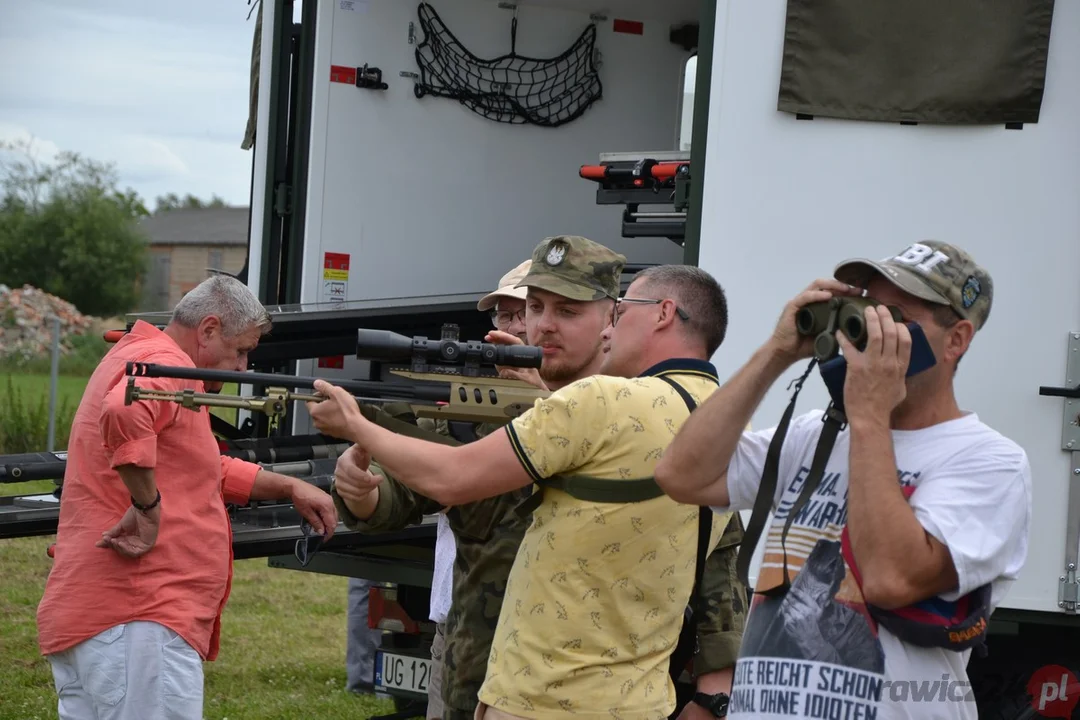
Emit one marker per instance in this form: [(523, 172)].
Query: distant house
[(186, 245)]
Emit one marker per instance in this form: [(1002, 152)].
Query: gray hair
[(225, 297)]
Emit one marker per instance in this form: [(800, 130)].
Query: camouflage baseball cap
[(576, 268), (931, 270)]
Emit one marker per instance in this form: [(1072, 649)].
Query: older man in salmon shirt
[(143, 565)]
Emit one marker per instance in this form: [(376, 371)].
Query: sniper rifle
[(452, 379)]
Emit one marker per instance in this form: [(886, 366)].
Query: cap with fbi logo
[(576, 268), (934, 271)]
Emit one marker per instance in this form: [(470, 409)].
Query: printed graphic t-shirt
[(815, 652), (594, 602)]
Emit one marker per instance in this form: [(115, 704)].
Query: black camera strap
[(834, 422)]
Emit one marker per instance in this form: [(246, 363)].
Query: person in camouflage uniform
[(489, 532)]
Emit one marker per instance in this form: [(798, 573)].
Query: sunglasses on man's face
[(623, 302)]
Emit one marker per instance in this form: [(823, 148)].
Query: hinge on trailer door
[(1068, 590), (1068, 587), (283, 199)]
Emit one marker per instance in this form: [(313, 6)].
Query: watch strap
[(716, 704), (146, 508)]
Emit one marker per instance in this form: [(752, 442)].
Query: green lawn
[(283, 637), (282, 649), (36, 387)]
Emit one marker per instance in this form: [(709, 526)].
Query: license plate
[(402, 672)]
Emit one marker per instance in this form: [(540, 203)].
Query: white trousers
[(135, 671)]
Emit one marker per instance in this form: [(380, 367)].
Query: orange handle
[(112, 336), (593, 172), (666, 170), (660, 171)]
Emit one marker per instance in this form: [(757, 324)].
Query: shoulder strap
[(767, 489), (705, 518), (934, 623), (687, 644), (834, 422)]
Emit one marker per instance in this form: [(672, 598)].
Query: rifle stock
[(485, 400)]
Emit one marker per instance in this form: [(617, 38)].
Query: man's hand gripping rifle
[(454, 379)]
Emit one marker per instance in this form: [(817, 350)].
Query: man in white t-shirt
[(920, 505)]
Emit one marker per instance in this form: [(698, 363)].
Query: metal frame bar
[(699, 131), (298, 153), (275, 136)]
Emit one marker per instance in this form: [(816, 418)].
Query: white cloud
[(160, 89), (41, 149)]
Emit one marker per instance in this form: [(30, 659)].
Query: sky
[(159, 89)]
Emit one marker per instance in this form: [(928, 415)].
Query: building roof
[(198, 226)]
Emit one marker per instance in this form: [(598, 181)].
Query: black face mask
[(834, 370)]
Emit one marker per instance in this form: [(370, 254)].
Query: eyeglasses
[(643, 301), (503, 318), (307, 546)]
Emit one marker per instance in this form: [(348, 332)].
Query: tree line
[(67, 228)]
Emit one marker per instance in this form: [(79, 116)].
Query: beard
[(563, 372)]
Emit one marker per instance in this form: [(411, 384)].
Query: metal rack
[(645, 178)]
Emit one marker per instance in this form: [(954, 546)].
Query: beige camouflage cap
[(576, 268), (508, 287), (931, 270)]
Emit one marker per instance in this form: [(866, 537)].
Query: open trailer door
[(447, 138), (788, 195)]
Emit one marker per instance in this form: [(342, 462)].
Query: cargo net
[(512, 88)]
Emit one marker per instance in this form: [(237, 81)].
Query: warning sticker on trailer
[(335, 280)]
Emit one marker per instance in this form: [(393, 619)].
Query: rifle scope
[(390, 347)]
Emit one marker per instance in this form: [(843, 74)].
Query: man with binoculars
[(900, 520)]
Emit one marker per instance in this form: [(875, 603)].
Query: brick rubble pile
[(25, 322)]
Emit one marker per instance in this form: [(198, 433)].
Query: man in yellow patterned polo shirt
[(594, 603)]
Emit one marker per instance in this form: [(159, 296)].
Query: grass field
[(283, 632)]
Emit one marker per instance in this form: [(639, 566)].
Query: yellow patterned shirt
[(595, 600)]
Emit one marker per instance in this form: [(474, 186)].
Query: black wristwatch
[(716, 704)]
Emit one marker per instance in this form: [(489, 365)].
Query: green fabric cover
[(933, 61)]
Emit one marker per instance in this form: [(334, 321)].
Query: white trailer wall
[(430, 199), (786, 199)]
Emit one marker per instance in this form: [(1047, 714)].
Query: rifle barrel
[(432, 393), (45, 466)]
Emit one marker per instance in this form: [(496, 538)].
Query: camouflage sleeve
[(399, 506), (719, 632)]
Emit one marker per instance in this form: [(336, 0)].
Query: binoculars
[(823, 319)]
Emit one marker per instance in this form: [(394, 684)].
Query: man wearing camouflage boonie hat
[(921, 521)]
